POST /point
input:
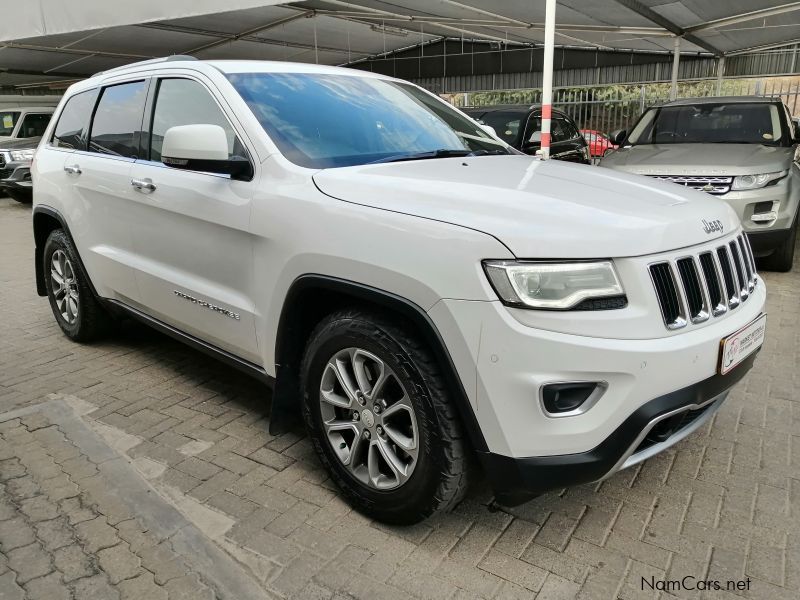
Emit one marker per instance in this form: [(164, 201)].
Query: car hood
[(538, 209), (700, 159), (19, 143)]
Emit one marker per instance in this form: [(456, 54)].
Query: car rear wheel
[(377, 412), (77, 311)]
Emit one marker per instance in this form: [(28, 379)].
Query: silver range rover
[(744, 150)]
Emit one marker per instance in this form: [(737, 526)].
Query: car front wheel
[(378, 415)]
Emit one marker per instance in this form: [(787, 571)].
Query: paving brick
[(54, 533), (163, 563), (39, 508), (73, 563), (96, 588), (15, 533), (9, 588), (49, 587), (118, 563), (514, 570), (97, 534), (189, 587), (29, 562)]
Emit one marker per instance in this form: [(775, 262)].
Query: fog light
[(565, 399)]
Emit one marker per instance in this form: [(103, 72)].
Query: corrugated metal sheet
[(783, 62)]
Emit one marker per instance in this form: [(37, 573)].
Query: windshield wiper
[(441, 153), (497, 152)]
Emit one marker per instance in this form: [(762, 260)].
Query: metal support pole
[(676, 61), (547, 75), (720, 74)]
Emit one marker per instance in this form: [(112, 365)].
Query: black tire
[(782, 258), (439, 478), (21, 197), (91, 321)]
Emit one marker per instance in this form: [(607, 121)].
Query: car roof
[(722, 100), (502, 107)]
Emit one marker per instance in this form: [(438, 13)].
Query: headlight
[(753, 182), (20, 155), (555, 286)]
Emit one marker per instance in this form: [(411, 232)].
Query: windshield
[(7, 121), (321, 121), (505, 123), (734, 123)]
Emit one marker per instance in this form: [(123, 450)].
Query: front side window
[(33, 125), (117, 121), (8, 119), (560, 129), (73, 123), (321, 121), (710, 123), (187, 102)]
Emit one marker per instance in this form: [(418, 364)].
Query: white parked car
[(418, 290)]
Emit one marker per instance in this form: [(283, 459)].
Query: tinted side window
[(117, 121), (73, 123), (187, 102), (33, 125), (562, 130)]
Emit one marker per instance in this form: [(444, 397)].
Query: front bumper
[(17, 178), (771, 225), (504, 363), (652, 428)]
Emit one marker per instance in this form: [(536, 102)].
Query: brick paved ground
[(134, 460)]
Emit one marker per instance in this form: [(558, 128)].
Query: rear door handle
[(73, 169), (144, 185)]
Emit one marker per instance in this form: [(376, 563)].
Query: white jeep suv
[(418, 290)]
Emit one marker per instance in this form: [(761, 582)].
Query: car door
[(93, 148), (192, 234), (566, 142)]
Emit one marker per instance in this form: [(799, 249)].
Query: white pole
[(676, 60), (547, 75), (720, 74)]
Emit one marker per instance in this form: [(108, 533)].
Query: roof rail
[(152, 61)]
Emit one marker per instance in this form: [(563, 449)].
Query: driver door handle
[(144, 185), (73, 169)]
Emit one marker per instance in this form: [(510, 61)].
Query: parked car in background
[(20, 132), (743, 150), (15, 168), (599, 144), (520, 126), (24, 122)]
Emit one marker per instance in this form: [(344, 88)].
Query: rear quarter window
[(73, 123)]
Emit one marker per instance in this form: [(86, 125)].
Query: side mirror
[(618, 136), (202, 148), (488, 129)]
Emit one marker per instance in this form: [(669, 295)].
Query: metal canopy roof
[(342, 32)]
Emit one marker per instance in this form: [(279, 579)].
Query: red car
[(599, 144)]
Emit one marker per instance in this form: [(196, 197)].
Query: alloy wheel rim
[(64, 285), (368, 418)]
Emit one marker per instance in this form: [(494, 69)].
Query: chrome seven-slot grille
[(695, 288), (712, 184)]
